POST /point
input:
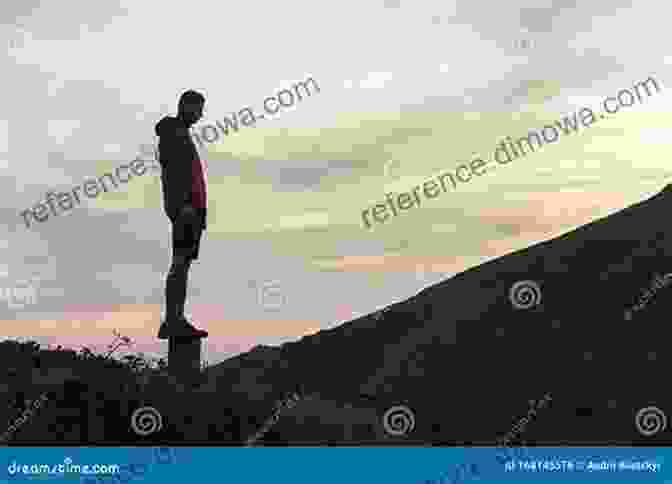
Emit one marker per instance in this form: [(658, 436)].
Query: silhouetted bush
[(83, 390)]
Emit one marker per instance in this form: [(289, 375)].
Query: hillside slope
[(467, 361)]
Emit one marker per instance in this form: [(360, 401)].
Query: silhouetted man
[(184, 200)]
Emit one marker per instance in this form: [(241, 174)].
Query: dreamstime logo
[(19, 294), (650, 420), (287, 403), (146, 421), (517, 452), (24, 417), (519, 428), (65, 470), (658, 282), (525, 294), (270, 296), (399, 421)]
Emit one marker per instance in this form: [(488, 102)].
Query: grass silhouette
[(89, 397)]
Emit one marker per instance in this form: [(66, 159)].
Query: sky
[(408, 89)]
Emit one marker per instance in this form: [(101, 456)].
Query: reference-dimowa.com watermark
[(506, 152), (40, 211), (272, 105)]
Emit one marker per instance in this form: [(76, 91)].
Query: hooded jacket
[(181, 170)]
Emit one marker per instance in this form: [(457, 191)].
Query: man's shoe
[(188, 330), (180, 328)]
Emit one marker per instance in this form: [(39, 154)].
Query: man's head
[(190, 107)]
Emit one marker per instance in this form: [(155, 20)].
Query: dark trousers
[(186, 240)]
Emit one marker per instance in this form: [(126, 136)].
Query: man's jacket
[(181, 170)]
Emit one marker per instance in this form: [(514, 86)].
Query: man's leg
[(176, 287), (176, 281), (185, 249)]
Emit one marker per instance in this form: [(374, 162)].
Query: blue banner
[(327, 465)]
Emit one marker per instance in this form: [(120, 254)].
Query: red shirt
[(198, 191)]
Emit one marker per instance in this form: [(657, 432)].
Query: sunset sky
[(408, 89)]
